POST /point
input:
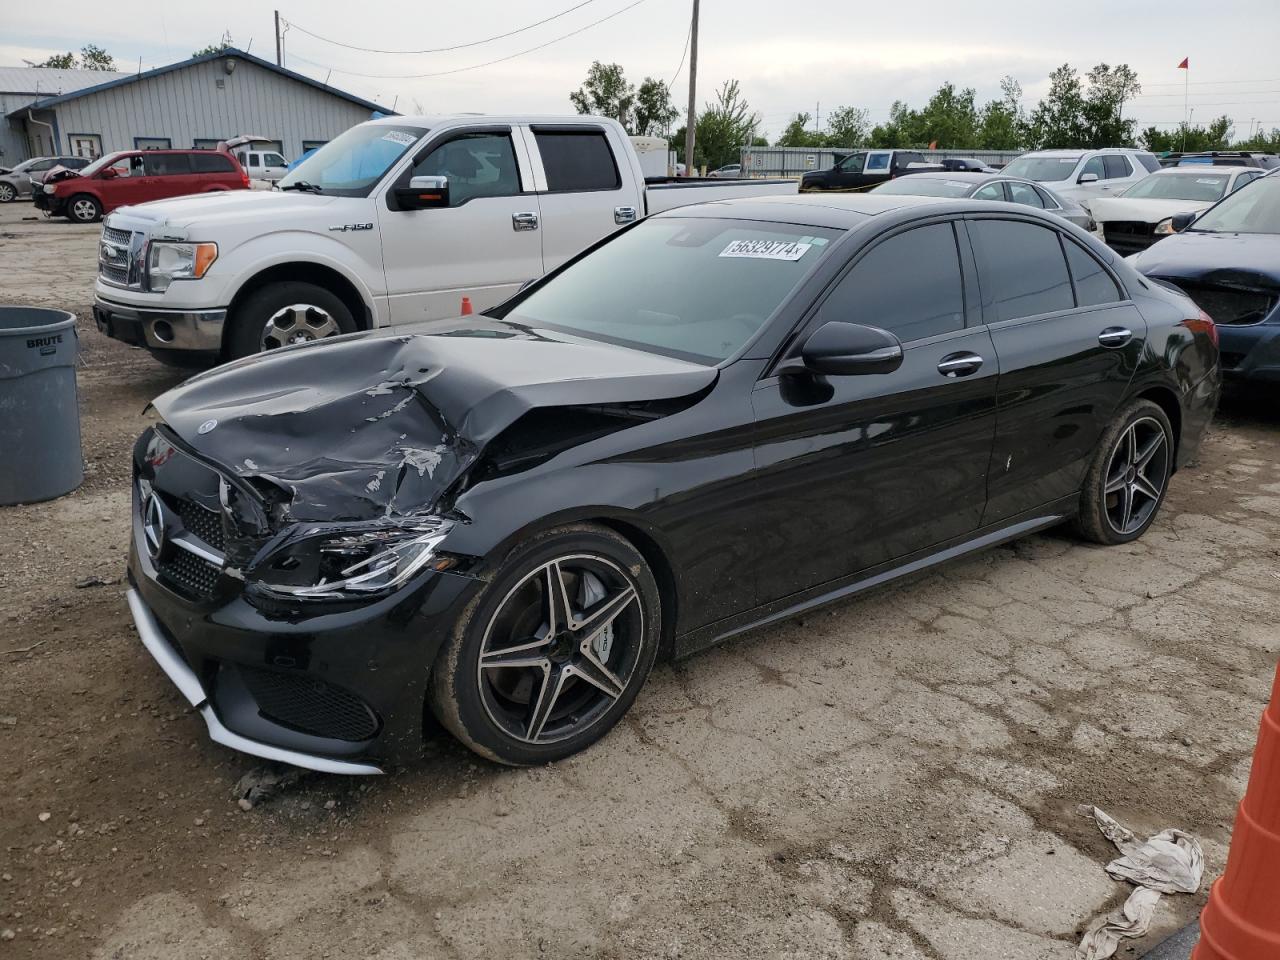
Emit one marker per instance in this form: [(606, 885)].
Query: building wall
[(13, 132), (188, 104)]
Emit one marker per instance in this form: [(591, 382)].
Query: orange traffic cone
[(466, 306), (1241, 921)]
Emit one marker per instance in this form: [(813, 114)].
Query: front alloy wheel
[(555, 651), (298, 323)]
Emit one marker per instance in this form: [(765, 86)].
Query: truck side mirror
[(423, 193)]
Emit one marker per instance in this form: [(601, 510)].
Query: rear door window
[(1093, 284), (576, 160), (1149, 161), (211, 163), (1023, 271), (1116, 167), (908, 284), (166, 164)]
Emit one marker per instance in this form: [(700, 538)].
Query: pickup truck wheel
[(7, 193), (83, 208), (282, 314)]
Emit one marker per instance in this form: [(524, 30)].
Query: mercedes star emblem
[(153, 525), (206, 427)]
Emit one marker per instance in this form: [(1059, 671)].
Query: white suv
[(1083, 175)]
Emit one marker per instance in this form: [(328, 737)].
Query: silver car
[(17, 183), (988, 186)]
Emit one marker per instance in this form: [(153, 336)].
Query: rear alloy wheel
[(7, 193), (83, 208), (1127, 480), (555, 651)]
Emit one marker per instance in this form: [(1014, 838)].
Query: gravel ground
[(896, 776)]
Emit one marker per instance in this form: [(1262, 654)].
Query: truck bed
[(667, 193)]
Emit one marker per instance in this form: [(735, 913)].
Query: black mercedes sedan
[(1227, 259), (719, 417)]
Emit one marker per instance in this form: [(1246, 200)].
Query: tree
[(654, 110), (1216, 136), (60, 61), (218, 47), (797, 133), (1058, 119), (847, 127), (606, 93), (91, 58), (1002, 123), (725, 126), (1103, 108), (1264, 142), (894, 132), (949, 119)]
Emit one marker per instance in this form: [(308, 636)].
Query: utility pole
[(817, 117), (279, 53), (692, 122)]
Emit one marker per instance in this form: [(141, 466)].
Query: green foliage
[(1216, 136), (607, 93), (1002, 123), (1103, 112), (60, 61), (1058, 119), (724, 126), (91, 58), (654, 111), (797, 133), (1264, 142), (847, 127), (215, 47)]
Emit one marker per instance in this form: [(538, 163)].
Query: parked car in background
[(1222, 158), (729, 170), (1227, 259), (965, 164), (137, 176), (729, 414), (1144, 213), (1081, 175), (987, 186), (266, 165), (20, 181), (866, 167), (396, 220)]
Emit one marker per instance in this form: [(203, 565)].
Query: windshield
[(1042, 169), (1254, 208), (692, 288), (103, 161), (351, 164), (1176, 186), (921, 186)]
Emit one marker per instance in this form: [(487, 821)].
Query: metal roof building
[(194, 103)]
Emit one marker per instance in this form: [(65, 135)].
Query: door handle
[(959, 364), (524, 221), (624, 215), (1114, 337)]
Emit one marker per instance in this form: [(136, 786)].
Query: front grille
[(310, 705), (192, 575), (1128, 236), (118, 237), (1228, 305), (204, 523), (115, 252), (113, 274)]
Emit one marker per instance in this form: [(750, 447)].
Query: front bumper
[(197, 331), (1251, 352)]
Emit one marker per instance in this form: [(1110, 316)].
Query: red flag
[(1185, 64)]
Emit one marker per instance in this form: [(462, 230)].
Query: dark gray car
[(17, 183), (962, 185)]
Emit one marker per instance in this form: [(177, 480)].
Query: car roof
[(1199, 170), (961, 176), (838, 211), (1081, 152)]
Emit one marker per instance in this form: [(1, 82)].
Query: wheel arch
[(1166, 399), (304, 271)]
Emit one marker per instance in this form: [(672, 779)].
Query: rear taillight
[(244, 178), (1203, 324)]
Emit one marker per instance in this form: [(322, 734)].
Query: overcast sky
[(788, 57)]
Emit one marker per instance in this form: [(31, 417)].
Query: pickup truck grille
[(115, 257)]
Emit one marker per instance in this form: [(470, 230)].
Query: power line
[(1199, 83), (456, 46), (474, 66), (675, 75)]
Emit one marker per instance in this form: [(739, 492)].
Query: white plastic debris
[(1169, 862)]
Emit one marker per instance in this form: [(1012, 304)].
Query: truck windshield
[(350, 165), (692, 288), (1043, 169)]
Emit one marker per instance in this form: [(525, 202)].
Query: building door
[(87, 145)]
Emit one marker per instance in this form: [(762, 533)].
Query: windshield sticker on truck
[(399, 136), (766, 249)]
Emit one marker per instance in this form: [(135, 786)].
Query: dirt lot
[(894, 777)]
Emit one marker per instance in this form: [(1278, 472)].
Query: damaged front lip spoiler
[(185, 680)]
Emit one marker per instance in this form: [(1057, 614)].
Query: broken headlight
[(355, 564)]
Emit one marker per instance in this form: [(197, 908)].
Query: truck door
[(582, 191), (484, 245)]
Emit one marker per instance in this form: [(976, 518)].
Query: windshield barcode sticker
[(400, 136), (766, 249)]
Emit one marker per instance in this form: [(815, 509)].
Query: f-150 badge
[(347, 227)]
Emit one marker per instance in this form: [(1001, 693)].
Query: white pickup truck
[(397, 220)]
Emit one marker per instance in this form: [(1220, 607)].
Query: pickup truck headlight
[(168, 261), (1164, 228), (361, 563)]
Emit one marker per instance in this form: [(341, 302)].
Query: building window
[(87, 145), (312, 144), (152, 143), (205, 143)]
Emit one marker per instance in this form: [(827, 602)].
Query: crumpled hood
[(382, 423), (1142, 210), (1246, 260)]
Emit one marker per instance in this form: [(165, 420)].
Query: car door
[(273, 166), (1118, 174), (848, 172), (857, 471), (166, 175), (1068, 342), (128, 185), (484, 245), (582, 194)]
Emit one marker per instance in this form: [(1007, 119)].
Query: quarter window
[(909, 285), (1093, 284), (1023, 270), (992, 191), (577, 161), (477, 165), (1024, 194), (1116, 166)]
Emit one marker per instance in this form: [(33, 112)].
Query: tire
[(1128, 477), (83, 208), (311, 313), (508, 692), (8, 193)]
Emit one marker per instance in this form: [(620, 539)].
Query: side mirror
[(1182, 220), (423, 193), (846, 349), (109, 173), (1088, 178)]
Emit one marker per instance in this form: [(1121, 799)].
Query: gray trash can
[(39, 412)]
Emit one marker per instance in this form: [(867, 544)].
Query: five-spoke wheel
[(1126, 481)]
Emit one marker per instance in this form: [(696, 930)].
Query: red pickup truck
[(136, 176)]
